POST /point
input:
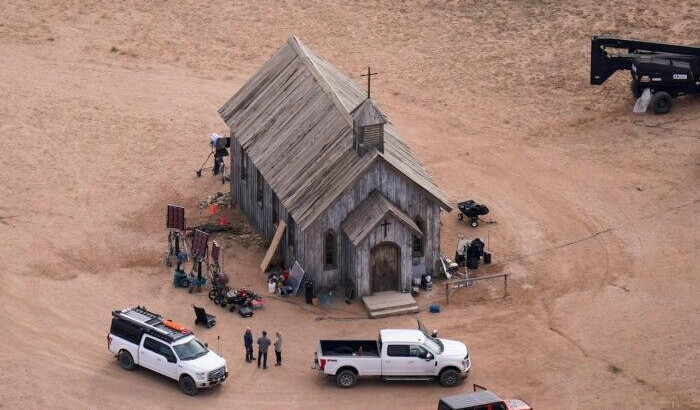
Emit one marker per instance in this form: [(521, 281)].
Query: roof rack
[(151, 323)]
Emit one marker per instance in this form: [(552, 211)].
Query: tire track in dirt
[(596, 234)]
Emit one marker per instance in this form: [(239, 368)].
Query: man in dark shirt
[(263, 345), (248, 343)]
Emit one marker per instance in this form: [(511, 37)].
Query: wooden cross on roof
[(369, 80)]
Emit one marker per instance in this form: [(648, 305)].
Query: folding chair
[(203, 318)]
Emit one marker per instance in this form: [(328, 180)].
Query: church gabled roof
[(367, 216), (293, 120)]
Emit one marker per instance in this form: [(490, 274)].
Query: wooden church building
[(310, 148)]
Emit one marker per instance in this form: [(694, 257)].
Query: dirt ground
[(105, 109)]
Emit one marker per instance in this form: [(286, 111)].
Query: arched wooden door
[(385, 265)]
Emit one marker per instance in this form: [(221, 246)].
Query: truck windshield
[(434, 345), (190, 350)]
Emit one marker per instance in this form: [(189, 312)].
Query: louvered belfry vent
[(368, 126)]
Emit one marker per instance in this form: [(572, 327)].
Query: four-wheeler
[(138, 337), (667, 70), (481, 400), (398, 354), (241, 297), (471, 210)]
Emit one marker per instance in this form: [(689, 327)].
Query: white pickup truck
[(398, 354), (141, 338)]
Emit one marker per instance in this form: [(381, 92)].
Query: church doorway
[(385, 265)]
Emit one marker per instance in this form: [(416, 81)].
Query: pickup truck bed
[(349, 348)]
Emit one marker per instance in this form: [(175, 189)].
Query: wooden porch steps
[(383, 304)]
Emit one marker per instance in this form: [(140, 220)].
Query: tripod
[(174, 238), (218, 149), (199, 171)]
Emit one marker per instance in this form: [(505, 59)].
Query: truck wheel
[(125, 360), (187, 385), (634, 86), (449, 378), (346, 378), (661, 102)]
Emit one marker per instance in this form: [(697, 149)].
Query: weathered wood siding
[(352, 262), (396, 233), (403, 192), (244, 195), (347, 262)]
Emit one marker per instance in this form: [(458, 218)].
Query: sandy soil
[(105, 108)]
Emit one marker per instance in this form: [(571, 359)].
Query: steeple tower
[(368, 127)]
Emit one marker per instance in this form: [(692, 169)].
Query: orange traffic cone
[(223, 221), (213, 209)]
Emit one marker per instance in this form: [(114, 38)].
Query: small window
[(244, 166), (126, 331), (158, 347), (418, 240), (290, 232), (398, 351), (166, 351), (152, 345), (417, 351), (259, 188), (275, 209), (329, 250)]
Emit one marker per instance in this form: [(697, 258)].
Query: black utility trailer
[(667, 70), (471, 210)]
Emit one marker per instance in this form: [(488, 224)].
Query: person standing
[(248, 343), (263, 345), (278, 349)]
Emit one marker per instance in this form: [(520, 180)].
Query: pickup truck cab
[(481, 400), (138, 337), (398, 354)]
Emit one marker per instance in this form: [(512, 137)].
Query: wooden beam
[(273, 246)]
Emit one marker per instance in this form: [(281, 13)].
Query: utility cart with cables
[(472, 211)]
